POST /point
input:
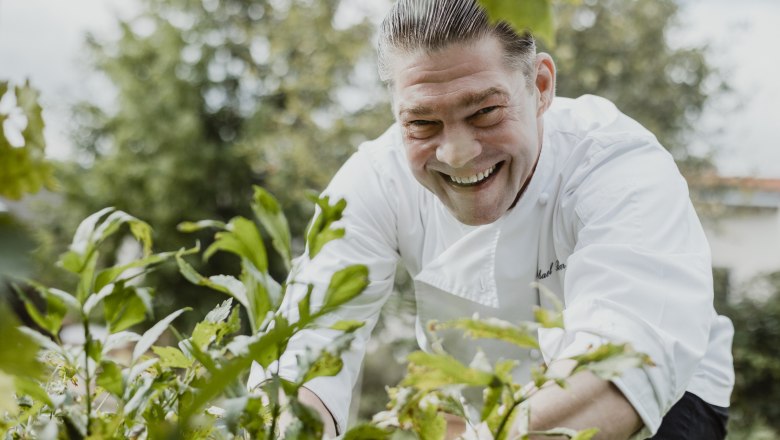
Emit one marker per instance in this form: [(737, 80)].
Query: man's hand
[(587, 402)]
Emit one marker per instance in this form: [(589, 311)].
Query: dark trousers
[(693, 419)]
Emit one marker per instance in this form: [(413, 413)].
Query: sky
[(43, 40)]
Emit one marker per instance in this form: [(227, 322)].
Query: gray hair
[(432, 25)]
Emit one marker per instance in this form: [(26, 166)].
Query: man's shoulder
[(377, 167), (591, 117), (384, 153)]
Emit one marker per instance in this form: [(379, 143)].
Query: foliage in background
[(623, 50), (535, 16), (24, 170), (755, 413), (23, 165), (211, 98)]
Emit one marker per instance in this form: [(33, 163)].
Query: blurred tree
[(211, 97), (623, 50), (24, 170), (755, 412)]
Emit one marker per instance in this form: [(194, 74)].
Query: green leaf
[(270, 215), (204, 333), (527, 15), (547, 318), (123, 308), (31, 387), (69, 300), (491, 399), (263, 293), (172, 357), (304, 305), (265, 350), (327, 364), (347, 326), (346, 284), (110, 378), (430, 424), (367, 431), (241, 238), (82, 239), (8, 403), (221, 283), (586, 434), (491, 328), (110, 275), (51, 320), (86, 277), (321, 231), (555, 432), (18, 352), (189, 227), (220, 312), (610, 360), (428, 371), (143, 233), (310, 424), (151, 335)]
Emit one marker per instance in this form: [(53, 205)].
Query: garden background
[(172, 109)]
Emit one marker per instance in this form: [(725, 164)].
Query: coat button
[(543, 198)]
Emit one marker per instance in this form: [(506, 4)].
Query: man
[(486, 184)]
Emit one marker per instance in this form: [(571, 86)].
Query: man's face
[(471, 126)]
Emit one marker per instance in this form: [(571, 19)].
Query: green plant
[(119, 384), (112, 386), (23, 165)]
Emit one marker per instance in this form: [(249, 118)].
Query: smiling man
[(486, 184)]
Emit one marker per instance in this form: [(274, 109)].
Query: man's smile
[(473, 180)]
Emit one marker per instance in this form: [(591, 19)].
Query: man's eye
[(486, 110), (421, 128), (487, 117)]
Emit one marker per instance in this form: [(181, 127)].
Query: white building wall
[(747, 242)]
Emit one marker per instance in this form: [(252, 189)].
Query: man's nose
[(458, 148)]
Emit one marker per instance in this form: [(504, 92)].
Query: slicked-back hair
[(431, 25)]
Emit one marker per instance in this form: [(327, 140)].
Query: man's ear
[(545, 82)]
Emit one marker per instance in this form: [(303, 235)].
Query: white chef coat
[(606, 223)]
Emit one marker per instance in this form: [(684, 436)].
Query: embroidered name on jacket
[(555, 266)]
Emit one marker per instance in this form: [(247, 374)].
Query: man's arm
[(587, 402)]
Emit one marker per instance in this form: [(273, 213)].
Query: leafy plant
[(116, 383), (119, 384), (23, 166), (434, 381)]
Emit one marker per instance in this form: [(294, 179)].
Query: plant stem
[(504, 421), (88, 396), (274, 416)]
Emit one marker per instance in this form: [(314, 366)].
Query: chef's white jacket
[(606, 223)]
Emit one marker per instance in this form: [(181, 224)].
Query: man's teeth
[(475, 178)]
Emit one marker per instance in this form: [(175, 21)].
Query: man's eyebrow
[(476, 98), (469, 100), (418, 110)]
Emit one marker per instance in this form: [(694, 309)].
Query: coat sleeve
[(370, 239), (640, 272)]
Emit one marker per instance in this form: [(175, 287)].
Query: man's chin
[(475, 218)]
